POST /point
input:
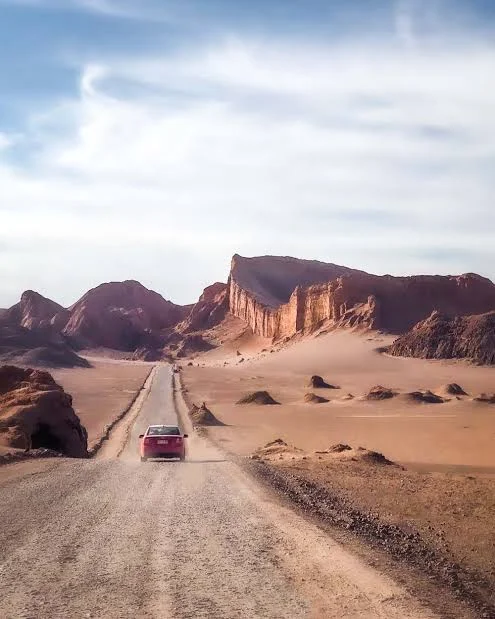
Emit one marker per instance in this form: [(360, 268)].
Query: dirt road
[(117, 538)]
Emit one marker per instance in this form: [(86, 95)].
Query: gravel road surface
[(116, 538)]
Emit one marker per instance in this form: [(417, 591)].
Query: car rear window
[(163, 431)]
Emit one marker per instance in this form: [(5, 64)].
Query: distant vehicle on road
[(162, 441)]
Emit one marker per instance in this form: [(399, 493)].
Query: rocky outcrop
[(208, 312), (259, 294), (35, 412), (261, 290), (122, 316), (441, 337), (35, 311)]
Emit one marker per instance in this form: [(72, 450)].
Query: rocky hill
[(122, 316), (441, 337), (35, 311), (276, 297), (209, 311), (260, 294)]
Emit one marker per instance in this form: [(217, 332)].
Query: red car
[(162, 442)]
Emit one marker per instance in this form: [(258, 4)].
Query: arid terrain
[(102, 392), (456, 435), (443, 486), (159, 540), (333, 409)]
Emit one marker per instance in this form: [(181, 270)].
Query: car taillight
[(148, 441), (178, 439)]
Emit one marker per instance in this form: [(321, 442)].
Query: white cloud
[(376, 157), (6, 141)]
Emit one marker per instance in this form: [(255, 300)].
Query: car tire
[(182, 458), (143, 459)]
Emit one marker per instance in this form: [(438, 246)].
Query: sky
[(153, 139)]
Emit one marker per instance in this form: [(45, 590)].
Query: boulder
[(35, 412)]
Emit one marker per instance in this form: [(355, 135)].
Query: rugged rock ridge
[(122, 316), (35, 412), (209, 311), (35, 311), (351, 299), (441, 337), (260, 287)]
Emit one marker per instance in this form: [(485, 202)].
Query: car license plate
[(162, 442)]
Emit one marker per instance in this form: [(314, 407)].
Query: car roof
[(162, 425)]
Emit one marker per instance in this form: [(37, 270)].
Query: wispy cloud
[(145, 10), (374, 155)]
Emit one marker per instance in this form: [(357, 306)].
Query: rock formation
[(261, 398), (312, 398), (441, 337), (278, 297), (202, 416), (424, 397), (122, 316), (380, 393), (317, 382), (209, 311), (35, 311), (35, 412)]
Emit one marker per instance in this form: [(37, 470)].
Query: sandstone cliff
[(440, 337), (258, 293)]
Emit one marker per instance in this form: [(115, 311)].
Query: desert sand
[(454, 436), (102, 392), (443, 484)]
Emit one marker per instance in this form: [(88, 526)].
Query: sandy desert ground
[(456, 436), (102, 392), (444, 486)]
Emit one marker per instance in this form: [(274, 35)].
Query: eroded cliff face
[(209, 311), (354, 299)]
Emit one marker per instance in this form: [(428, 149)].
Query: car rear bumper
[(168, 455)]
